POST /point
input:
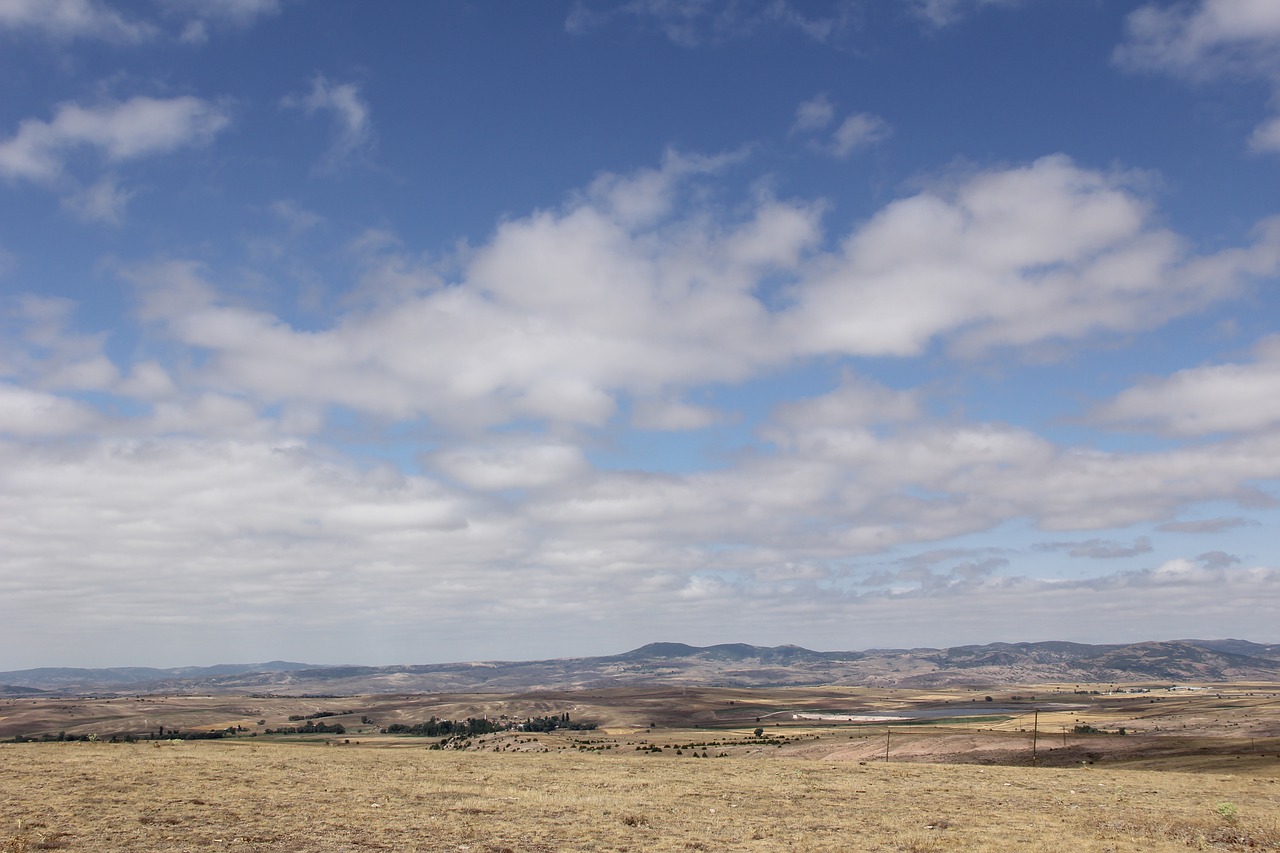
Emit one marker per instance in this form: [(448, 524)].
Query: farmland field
[(666, 770)]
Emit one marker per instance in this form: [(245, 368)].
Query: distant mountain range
[(676, 664)]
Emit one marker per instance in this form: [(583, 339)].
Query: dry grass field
[(241, 795), (1196, 770)]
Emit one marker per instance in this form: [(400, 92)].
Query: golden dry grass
[(247, 796)]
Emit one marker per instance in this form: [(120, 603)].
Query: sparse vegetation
[(242, 794), (311, 728), (639, 781)]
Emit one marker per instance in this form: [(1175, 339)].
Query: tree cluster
[(311, 728)]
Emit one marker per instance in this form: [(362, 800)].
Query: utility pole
[(1035, 731), (886, 743)]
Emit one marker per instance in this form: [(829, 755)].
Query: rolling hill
[(675, 664)]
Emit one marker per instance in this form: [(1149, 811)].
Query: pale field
[(254, 795)]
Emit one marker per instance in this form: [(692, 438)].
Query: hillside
[(676, 664)]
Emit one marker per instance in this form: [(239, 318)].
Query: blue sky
[(415, 332)]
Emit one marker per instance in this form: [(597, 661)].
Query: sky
[(404, 332)]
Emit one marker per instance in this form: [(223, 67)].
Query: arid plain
[(1037, 768)]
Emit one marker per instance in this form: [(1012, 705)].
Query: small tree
[(759, 732)]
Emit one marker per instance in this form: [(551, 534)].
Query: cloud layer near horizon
[(227, 456), (675, 402)]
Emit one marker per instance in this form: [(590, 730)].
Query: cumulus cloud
[(352, 123), (615, 294), (254, 526), (1205, 400), (297, 218), (1099, 549), (41, 348), (148, 380), (1217, 559), (941, 13), (855, 405), (645, 197), (532, 330), (1207, 40), (24, 412), (65, 20), (813, 115), (1204, 39), (693, 23), (1206, 525), (72, 19), (104, 201), (241, 12), (1127, 606), (274, 520), (625, 300), (672, 415), (568, 308), (920, 577), (1010, 257), (512, 465), (119, 132), (190, 511), (857, 131), (1266, 137), (927, 480)]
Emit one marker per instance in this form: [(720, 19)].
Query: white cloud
[(512, 465), (1207, 525), (65, 20), (42, 350), (1205, 400), (856, 404), (915, 479), (1204, 39), (119, 131), (858, 131), (206, 415), (1207, 40), (140, 529), (1126, 606), (353, 128), (72, 19), (561, 314), (297, 218), (621, 299), (24, 412), (551, 319), (148, 380), (1218, 560), (1011, 257), (694, 22), (941, 13), (1099, 549), (1266, 137), (813, 115), (672, 415), (239, 12), (105, 201), (646, 196)]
